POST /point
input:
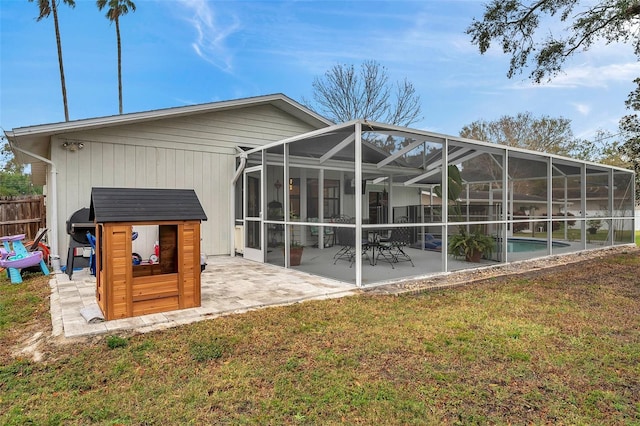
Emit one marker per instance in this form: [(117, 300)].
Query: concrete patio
[(234, 285), (229, 285)]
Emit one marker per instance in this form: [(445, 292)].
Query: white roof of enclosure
[(330, 144)]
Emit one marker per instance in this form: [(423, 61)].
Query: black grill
[(78, 225)]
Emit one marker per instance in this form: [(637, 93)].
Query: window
[(331, 195)]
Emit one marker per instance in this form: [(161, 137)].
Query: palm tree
[(117, 8), (46, 7)]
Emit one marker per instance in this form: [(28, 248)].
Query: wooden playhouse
[(127, 287)]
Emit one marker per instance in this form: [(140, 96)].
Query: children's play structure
[(126, 288), (14, 256)]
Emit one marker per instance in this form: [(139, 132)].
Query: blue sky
[(182, 52)]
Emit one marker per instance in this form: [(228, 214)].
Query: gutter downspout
[(243, 163), (54, 200), (232, 203)]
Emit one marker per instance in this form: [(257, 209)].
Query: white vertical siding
[(195, 152)]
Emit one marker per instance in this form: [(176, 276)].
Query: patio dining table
[(374, 237)]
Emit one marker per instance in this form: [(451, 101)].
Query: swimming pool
[(519, 245)]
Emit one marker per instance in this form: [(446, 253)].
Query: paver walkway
[(233, 285), (229, 285)]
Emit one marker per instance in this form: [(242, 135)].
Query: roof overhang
[(36, 139)]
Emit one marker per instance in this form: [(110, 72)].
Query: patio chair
[(347, 239), (392, 249), (35, 244), (340, 219), (92, 258), (329, 234)]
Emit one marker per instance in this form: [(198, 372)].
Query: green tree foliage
[(513, 24), (7, 160), (13, 180), (117, 8), (343, 94), (605, 149), (17, 183), (630, 128), (454, 189), (543, 134), (47, 7)]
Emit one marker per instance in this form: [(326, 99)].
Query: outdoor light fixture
[(277, 185), (72, 146)]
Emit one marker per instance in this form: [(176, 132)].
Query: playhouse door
[(253, 229)]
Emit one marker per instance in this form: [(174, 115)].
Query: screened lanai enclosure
[(368, 203)]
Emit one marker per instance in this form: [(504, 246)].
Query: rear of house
[(270, 173), (192, 147)]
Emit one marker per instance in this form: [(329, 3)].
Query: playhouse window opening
[(154, 250)]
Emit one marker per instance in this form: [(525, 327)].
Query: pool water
[(518, 245)]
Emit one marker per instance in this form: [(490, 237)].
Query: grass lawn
[(557, 346)]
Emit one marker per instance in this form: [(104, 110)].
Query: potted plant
[(295, 248), (471, 246), (454, 189), (295, 253)]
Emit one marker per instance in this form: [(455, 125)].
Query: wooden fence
[(22, 215)]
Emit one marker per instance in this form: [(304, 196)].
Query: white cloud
[(583, 109), (588, 76), (597, 76), (212, 36), (407, 43)]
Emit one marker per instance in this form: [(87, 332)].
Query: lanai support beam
[(358, 197), (403, 151), (445, 207), (507, 197), (336, 149)]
